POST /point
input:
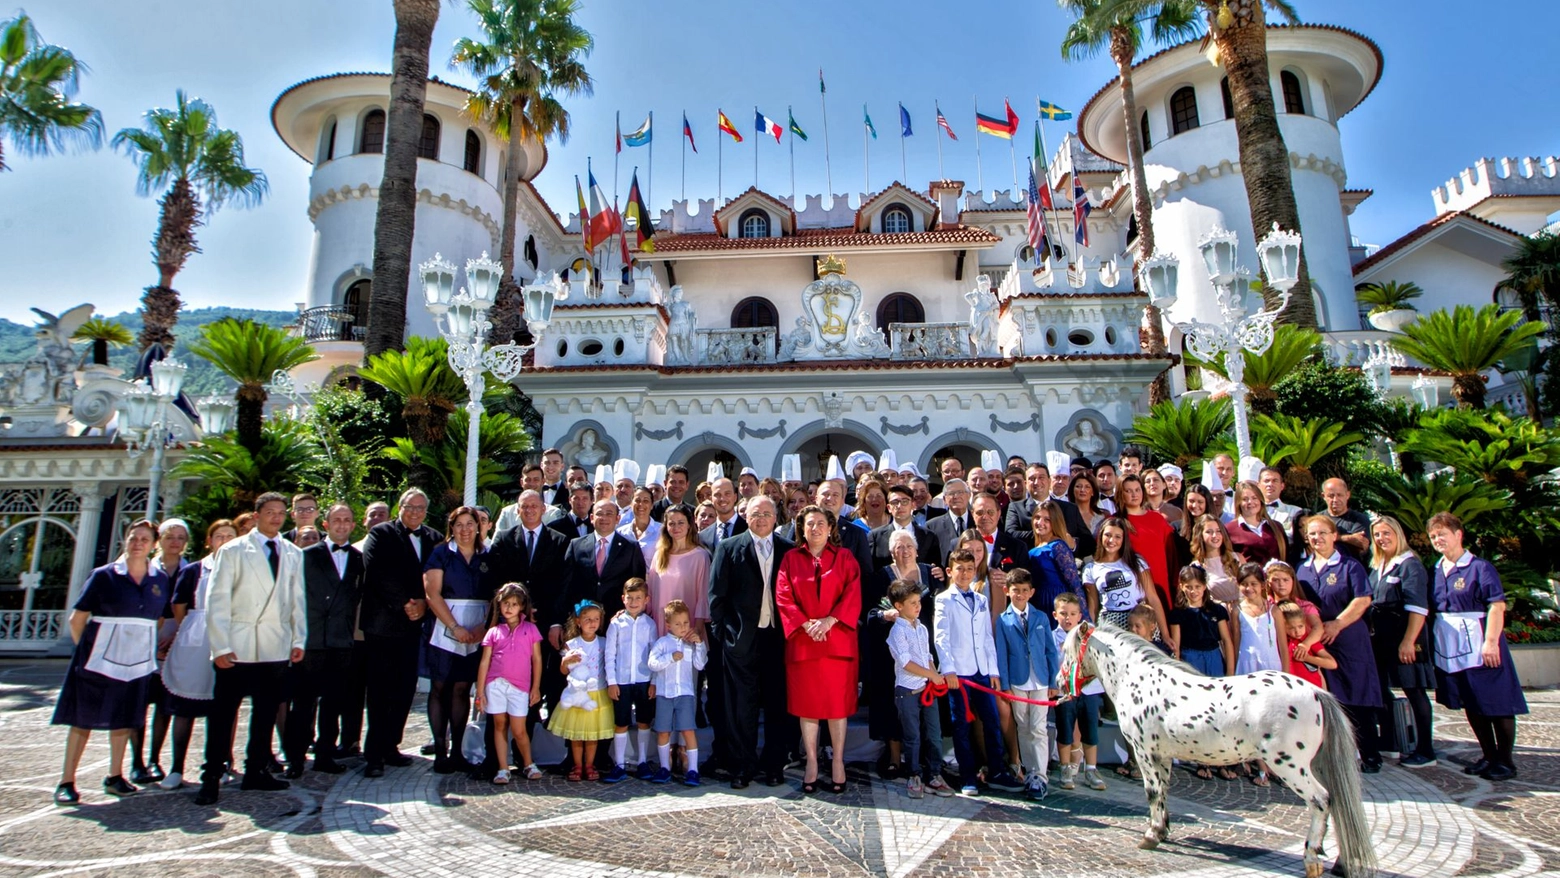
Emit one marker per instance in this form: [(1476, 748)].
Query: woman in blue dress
[(1340, 588), (458, 601), (173, 537), (114, 626), (1052, 564), (1473, 671)]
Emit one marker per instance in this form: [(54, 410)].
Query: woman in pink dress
[(679, 571)]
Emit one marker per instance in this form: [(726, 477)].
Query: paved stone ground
[(414, 823)]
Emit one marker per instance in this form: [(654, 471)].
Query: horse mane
[(1142, 649)]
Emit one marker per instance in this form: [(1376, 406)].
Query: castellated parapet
[(1493, 177)]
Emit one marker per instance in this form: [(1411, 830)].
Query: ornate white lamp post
[(143, 420), (1238, 330), (216, 414), (462, 321)]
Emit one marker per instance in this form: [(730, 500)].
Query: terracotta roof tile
[(826, 366), (895, 186), (1132, 294), (822, 239), (1401, 243), (720, 220)]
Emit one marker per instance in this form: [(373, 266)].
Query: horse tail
[(1334, 767)]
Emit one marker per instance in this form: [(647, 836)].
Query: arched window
[(328, 146), (1183, 110), (752, 312), (473, 162), (355, 301), (899, 308), (373, 136), (1229, 100), (896, 219), (754, 224), (428, 143), (1294, 96), (1143, 126)]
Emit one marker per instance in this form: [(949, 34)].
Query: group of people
[(627, 613)]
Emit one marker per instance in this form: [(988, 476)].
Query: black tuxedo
[(738, 525), (556, 495), (1008, 546), (928, 548), (568, 525), (391, 641), (624, 561), (319, 681), (753, 659), (947, 531), (542, 572), (1019, 522)]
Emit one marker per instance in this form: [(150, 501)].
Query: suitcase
[(1407, 732)]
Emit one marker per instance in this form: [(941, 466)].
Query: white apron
[(188, 671), (468, 614), (1459, 641), (125, 649)]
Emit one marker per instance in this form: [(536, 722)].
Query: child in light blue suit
[(1027, 662)]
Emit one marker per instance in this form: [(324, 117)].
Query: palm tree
[(533, 54), (103, 334), (182, 150), (1182, 431), (286, 458), (396, 218), (250, 353), (1465, 343), (1533, 273), (1102, 24), (1388, 295), (501, 435), (1300, 443), (37, 84), (429, 390), (1291, 347)]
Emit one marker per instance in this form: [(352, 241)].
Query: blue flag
[(904, 122)]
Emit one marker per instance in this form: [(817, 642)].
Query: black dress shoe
[(1499, 772), (1479, 767), (398, 760), (263, 781), (774, 778), (740, 782), (294, 771), (1372, 766), (349, 751), (443, 765), (117, 786), (65, 794), (274, 766), (141, 776), (431, 748), (208, 793), (374, 769), (156, 772), (329, 766)]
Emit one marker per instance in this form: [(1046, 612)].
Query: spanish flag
[(1004, 129), (726, 126)]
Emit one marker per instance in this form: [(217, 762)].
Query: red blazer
[(799, 596)]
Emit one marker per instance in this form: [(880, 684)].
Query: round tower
[(1192, 156)]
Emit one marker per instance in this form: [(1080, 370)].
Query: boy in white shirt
[(966, 648), (676, 660), (1082, 711), (630, 635), (913, 667)]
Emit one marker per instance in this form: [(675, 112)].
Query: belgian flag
[(644, 228)]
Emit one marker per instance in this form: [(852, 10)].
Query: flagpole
[(980, 174), (903, 174), (682, 138), (788, 117), (755, 153), (1012, 151), (1045, 181), (650, 171), (939, 137), (617, 153), (720, 167), (866, 156), (828, 168)]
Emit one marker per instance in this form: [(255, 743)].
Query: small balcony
[(735, 347), (929, 341), (329, 323)]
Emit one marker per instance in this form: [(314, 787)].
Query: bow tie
[(341, 548)]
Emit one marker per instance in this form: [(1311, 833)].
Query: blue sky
[(1458, 84)]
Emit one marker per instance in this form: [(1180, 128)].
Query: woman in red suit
[(818, 595)]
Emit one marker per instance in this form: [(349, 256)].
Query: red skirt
[(821, 688)]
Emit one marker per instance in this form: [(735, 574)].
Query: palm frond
[(1182, 431), (249, 352)]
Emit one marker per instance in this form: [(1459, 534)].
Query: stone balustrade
[(929, 341), (727, 347)]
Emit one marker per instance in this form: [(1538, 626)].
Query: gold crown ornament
[(831, 264)]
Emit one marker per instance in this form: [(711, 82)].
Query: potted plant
[(1390, 310), (103, 334)]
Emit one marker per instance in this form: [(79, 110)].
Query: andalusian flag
[(795, 128), (725, 125), (867, 121), (1003, 128), (590, 243), (644, 230)]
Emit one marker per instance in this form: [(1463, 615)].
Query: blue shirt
[(462, 578)]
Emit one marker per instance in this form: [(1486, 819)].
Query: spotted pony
[(1169, 711)]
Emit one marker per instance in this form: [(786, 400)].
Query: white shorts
[(502, 696)]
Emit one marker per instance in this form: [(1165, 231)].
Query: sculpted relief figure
[(983, 317), (680, 331)]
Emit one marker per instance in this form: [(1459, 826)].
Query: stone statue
[(680, 331), (866, 339), (983, 317), (1087, 442), (590, 455), (48, 377), (795, 340)]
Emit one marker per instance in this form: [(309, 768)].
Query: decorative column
[(87, 524)]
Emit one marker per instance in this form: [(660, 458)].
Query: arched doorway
[(964, 444), (699, 464), (815, 440)]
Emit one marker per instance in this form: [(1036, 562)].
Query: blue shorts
[(1085, 711), (674, 714), (633, 704)]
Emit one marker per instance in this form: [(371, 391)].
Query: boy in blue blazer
[(1027, 662)]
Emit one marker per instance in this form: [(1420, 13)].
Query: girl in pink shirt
[(509, 680)]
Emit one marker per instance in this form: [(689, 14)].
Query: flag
[(590, 243), (867, 120), (644, 230), (1036, 229), (1052, 111), (688, 132), (942, 122), (725, 125), (904, 122), (765, 125), (821, 89), (795, 128), (1003, 128), (639, 136), (617, 125), (604, 221), (1038, 169), (1081, 211)]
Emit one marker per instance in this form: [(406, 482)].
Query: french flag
[(765, 125)]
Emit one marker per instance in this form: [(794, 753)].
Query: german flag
[(1003, 128)]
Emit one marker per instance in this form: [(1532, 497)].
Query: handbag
[(474, 745)]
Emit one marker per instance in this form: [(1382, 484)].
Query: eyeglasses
[(415, 508), (900, 501), (307, 509), (753, 515)]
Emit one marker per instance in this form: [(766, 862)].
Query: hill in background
[(17, 343)]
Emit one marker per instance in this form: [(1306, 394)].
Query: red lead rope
[(935, 690)]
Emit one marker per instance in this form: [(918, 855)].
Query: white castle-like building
[(766, 325)]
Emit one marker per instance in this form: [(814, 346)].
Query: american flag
[(1036, 220), (1081, 211), (942, 122)]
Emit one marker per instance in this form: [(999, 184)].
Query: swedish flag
[(1053, 112)]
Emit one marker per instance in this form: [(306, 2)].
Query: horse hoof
[(1149, 844), (1313, 870)]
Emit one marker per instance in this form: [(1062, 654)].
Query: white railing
[(721, 347), (30, 629), (929, 341)]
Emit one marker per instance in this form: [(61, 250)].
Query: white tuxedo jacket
[(248, 614)]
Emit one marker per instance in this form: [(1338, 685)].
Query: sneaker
[(691, 778), (617, 775), (1006, 782), (1389, 754), (939, 787), (1414, 760), (646, 771), (173, 781), (117, 786), (1092, 779), (1069, 775), (502, 777), (915, 789), (662, 775), (969, 790), (532, 772), (1037, 788)]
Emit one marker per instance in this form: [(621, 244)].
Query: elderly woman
[(187, 672), (818, 595), (1340, 588), (882, 713), (1052, 565), (114, 626), (1473, 671), (1400, 606), (458, 599)]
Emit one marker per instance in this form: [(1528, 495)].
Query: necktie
[(530, 544), (1023, 623), (272, 558), (416, 544), (720, 531), (601, 554), (766, 606), (340, 548)]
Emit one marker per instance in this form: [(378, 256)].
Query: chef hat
[(856, 458), (714, 472), (1251, 468), (656, 475), (888, 461), (625, 469), (791, 468), (603, 474), (991, 460), (1171, 471), (833, 472), (748, 471), (1210, 478), (909, 468), (1058, 462)]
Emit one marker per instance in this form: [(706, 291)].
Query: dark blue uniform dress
[(89, 700), (1332, 588), (462, 581), (1470, 588)]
